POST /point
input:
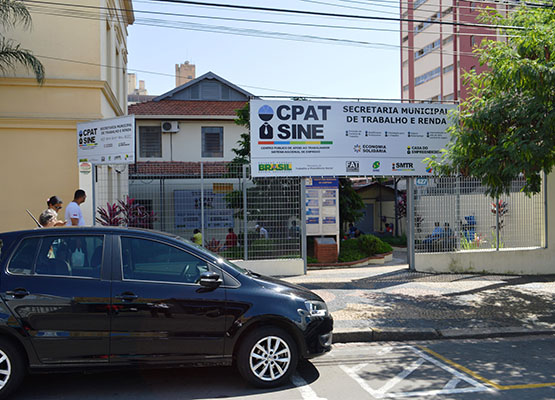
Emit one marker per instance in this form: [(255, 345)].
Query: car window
[(24, 257), (79, 255), (149, 260)]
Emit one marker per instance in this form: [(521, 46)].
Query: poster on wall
[(187, 206), (327, 138), (322, 206), (107, 141)]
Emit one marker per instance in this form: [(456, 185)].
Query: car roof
[(91, 230)]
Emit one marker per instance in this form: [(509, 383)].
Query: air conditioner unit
[(170, 126)]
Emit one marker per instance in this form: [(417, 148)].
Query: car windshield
[(220, 259)]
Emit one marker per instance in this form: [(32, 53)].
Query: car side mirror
[(210, 279)]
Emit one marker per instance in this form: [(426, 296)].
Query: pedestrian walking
[(74, 215)]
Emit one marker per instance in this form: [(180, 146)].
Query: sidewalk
[(391, 303)]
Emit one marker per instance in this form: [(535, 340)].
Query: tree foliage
[(506, 125), (13, 14)]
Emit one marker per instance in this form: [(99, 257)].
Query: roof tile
[(186, 107)]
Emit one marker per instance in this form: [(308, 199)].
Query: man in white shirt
[(261, 231), (74, 216)]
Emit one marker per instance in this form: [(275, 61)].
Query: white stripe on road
[(306, 391), (449, 388)]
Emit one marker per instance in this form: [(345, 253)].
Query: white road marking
[(452, 383), (449, 388), (384, 350), (306, 391), (406, 372)]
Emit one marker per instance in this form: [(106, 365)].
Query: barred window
[(212, 141), (150, 142)]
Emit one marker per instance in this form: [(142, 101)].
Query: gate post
[(202, 202), (410, 220), (245, 214), (303, 224)]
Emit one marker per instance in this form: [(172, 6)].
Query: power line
[(253, 33), (222, 18), (324, 14)]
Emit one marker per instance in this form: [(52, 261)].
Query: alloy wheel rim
[(270, 358), (5, 369)]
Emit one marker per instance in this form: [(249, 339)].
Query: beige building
[(184, 73), (86, 79)]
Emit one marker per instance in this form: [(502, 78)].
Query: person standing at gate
[(197, 237), (74, 215)]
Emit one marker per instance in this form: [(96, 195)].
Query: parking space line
[(307, 393), (449, 388), (481, 378)]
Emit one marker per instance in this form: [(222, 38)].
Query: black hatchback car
[(108, 297)]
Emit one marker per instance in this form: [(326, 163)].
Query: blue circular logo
[(265, 113)]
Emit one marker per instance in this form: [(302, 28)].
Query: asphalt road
[(515, 368)]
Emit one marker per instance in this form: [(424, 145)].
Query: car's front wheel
[(267, 357), (12, 368)]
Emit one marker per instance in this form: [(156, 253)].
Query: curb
[(405, 334)]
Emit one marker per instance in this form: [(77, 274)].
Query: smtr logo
[(376, 165), (357, 148), (265, 113)]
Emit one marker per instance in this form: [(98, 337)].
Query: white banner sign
[(107, 141), (324, 138)]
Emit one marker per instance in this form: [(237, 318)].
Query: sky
[(360, 59)]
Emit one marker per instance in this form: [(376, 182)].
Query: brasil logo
[(275, 167)]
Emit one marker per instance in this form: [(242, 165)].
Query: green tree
[(13, 14), (506, 126), (350, 202)]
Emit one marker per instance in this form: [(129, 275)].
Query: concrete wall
[(281, 267), (510, 261), (186, 145)]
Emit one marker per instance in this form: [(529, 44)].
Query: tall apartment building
[(184, 73), (437, 38)]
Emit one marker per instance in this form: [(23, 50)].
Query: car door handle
[(18, 293), (127, 296)]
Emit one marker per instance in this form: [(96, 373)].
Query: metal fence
[(238, 217), (454, 214)]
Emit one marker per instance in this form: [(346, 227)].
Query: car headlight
[(316, 308)]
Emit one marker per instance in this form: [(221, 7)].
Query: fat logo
[(352, 166)]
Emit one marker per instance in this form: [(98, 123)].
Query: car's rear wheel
[(267, 357), (12, 368)]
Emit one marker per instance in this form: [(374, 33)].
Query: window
[(427, 76), (420, 27), (448, 39), (417, 3), (147, 260), (24, 257), (212, 141), (78, 255), (427, 49), (448, 68), (472, 41), (150, 142)]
